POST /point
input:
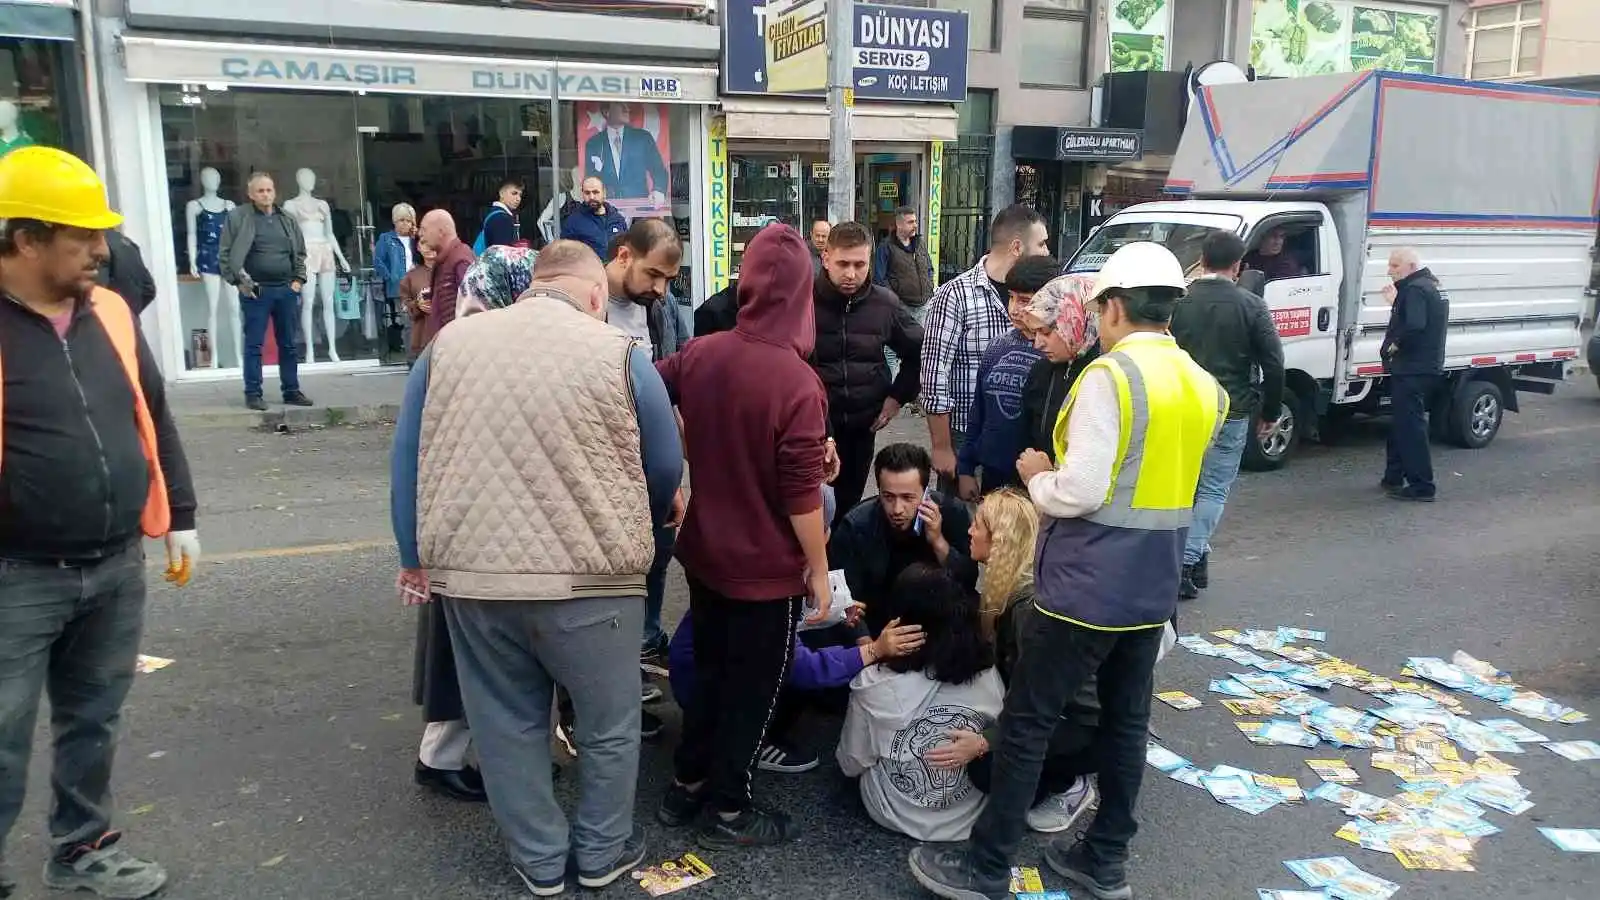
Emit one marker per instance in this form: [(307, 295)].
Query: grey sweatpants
[(509, 656)]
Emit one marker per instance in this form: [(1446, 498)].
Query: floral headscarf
[(497, 279), (1063, 301)]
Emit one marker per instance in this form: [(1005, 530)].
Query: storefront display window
[(31, 94)]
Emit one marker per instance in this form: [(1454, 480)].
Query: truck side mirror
[(1253, 280)]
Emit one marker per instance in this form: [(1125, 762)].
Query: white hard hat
[(1141, 264)]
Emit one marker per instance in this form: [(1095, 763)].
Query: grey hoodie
[(895, 718)]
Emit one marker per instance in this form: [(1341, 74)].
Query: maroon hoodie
[(754, 419)]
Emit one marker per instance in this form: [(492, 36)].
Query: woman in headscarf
[(497, 279), (1070, 337)]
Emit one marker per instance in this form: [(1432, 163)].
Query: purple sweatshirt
[(812, 670)]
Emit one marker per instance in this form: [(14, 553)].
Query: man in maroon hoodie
[(438, 230), (752, 545)]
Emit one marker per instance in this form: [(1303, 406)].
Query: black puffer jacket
[(851, 336), (1413, 344), (1046, 392)]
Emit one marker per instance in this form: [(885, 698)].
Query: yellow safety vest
[(1117, 569)]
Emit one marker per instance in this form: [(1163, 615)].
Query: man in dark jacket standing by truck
[(1230, 333), (1413, 355), (856, 321), (90, 463)]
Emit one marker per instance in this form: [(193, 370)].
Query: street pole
[(841, 97)]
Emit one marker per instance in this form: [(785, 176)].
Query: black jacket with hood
[(852, 333), (1413, 344), (73, 479)]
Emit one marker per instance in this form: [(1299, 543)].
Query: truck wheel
[(1476, 414), (1271, 453)]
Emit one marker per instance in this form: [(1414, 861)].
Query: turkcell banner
[(899, 53)]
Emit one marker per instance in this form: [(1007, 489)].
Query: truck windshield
[(1182, 238)]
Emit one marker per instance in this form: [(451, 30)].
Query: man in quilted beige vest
[(535, 450)]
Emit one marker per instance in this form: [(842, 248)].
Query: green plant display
[(1138, 13), (1138, 52)]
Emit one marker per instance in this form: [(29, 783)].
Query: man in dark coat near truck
[(856, 321), (1413, 356)]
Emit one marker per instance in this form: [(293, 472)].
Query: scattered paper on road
[(1336, 771), (1577, 751), (1574, 840), (1025, 879), (1342, 878), (144, 665), (673, 875), (1178, 700)]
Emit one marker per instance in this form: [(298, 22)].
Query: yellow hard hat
[(53, 186)]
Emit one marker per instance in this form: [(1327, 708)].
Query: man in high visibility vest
[(1130, 439), (90, 464)]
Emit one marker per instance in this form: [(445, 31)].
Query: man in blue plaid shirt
[(966, 313)]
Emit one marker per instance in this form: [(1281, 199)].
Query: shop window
[(1504, 41), (976, 113), (31, 94), (1054, 38)]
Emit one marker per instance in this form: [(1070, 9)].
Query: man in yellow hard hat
[(1130, 441), (90, 464)]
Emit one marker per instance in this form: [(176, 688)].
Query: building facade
[(42, 66), (353, 108)]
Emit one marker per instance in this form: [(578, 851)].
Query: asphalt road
[(273, 758)]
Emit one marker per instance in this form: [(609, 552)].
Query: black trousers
[(1407, 460), (856, 449), (1070, 756), (1056, 657), (742, 650)]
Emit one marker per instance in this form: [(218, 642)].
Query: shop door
[(884, 183)]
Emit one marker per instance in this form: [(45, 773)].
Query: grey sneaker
[(1103, 881), (1059, 812), (105, 869), (628, 859)]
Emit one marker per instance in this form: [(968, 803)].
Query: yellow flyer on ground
[(673, 875)]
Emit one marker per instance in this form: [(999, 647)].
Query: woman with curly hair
[(902, 707)]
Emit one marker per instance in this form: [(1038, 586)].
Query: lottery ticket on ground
[(1232, 688), (1516, 731), (1178, 700), (1189, 775), (1287, 634), (1281, 894), (1194, 643), (1286, 789), (1025, 879), (673, 875), (1537, 706), (1342, 878), (1043, 895), (1577, 751), (1226, 788), (1162, 759), (1574, 840), (1334, 771), (1251, 707), (144, 665), (1287, 733)]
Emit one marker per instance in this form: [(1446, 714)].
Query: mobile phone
[(916, 526)]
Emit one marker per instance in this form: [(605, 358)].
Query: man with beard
[(594, 222), (856, 321)]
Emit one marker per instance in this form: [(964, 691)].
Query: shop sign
[(900, 53), (721, 261), (935, 201), (822, 171), (1291, 38), (204, 62), (1099, 144)]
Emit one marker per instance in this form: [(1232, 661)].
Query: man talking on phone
[(907, 523)]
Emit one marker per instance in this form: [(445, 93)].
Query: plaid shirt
[(965, 315)]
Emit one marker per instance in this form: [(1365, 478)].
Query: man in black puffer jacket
[(1413, 356), (856, 321)]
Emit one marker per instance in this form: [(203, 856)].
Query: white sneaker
[(565, 737), (1059, 812)]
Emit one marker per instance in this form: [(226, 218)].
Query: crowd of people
[(987, 623)]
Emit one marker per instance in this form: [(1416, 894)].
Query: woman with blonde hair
[(1003, 534)]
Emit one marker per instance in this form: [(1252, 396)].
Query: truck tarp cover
[(1429, 150)]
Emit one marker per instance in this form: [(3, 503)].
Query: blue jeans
[(1217, 472), (655, 586), (72, 631), (281, 306), (509, 658)]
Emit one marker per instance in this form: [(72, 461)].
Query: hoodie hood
[(775, 285), (893, 699)]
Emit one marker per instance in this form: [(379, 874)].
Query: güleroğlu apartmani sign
[(1099, 143)]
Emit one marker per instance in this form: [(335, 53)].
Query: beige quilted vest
[(530, 484)]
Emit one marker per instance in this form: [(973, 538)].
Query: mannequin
[(205, 215), (547, 219), (322, 253), (11, 134)]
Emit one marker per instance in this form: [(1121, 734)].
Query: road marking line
[(304, 550)]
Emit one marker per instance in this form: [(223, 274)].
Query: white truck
[(1495, 185)]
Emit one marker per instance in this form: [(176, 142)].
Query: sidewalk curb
[(328, 416)]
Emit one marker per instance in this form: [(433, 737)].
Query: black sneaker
[(296, 398), (755, 827), (786, 760), (1200, 572), (1187, 590), (254, 401), (1410, 492), (948, 872), (650, 726), (633, 851), (1386, 485), (653, 656), (680, 806), (1103, 881)]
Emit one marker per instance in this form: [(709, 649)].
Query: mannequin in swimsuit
[(322, 252), (205, 215)]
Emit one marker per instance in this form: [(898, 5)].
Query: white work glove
[(183, 556)]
